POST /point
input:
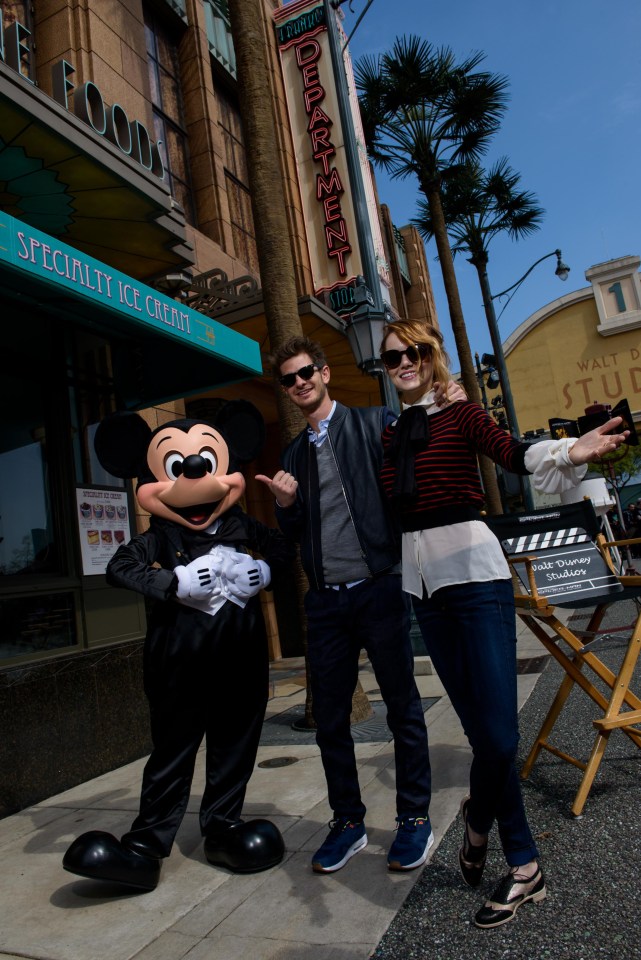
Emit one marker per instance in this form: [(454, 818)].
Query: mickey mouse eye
[(211, 459), (174, 465)]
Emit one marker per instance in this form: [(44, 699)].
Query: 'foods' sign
[(109, 121)]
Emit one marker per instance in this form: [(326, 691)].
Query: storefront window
[(36, 624), (91, 399), (36, 617), (28, 543), (56, 385)]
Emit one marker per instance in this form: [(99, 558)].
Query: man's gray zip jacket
[(355, 437)]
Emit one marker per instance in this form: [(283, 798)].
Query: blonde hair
[(419, 331)]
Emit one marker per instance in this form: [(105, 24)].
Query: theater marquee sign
[(305, 54)]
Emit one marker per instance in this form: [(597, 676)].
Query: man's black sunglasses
[(392, 358), (305, 373)]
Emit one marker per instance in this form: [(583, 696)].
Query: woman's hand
[(598, 442)]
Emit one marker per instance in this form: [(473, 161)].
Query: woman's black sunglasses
[(305, 373), (392, 358)]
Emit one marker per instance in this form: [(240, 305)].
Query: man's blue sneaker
[(345, 838), (412, 843)]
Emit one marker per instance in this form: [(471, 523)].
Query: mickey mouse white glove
[(200, 579), (244, 577)]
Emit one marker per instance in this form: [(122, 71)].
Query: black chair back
[(569, 570)]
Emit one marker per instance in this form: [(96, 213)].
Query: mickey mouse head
[(185, 468)]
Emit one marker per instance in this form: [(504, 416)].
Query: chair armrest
[(630, 541), (529, 570), (632, 578)]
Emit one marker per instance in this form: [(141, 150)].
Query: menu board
[(103, 523)]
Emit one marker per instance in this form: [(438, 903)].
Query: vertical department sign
[(319, 148)]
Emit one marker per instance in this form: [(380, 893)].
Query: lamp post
[(562, 271), (359, 199), (364, 333), (365, 327), (486, 365)]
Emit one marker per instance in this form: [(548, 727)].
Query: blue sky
[(572, 130)]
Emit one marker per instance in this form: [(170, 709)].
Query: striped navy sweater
[(447, 479)]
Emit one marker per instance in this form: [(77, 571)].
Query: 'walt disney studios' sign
[(111, 122)]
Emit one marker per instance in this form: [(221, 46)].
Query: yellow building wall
[(563, 364)]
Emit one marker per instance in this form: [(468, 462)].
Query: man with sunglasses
[(329, 499)]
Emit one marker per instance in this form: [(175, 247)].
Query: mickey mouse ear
[(243, 426), (121, 443)]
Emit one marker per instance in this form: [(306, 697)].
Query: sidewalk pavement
[(199, 912)]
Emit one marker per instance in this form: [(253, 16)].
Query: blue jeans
[(470, 634), (373, 615)]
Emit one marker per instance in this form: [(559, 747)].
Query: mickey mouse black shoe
[(100, 856), (245, 846)]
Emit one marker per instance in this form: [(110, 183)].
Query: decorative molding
[(213, 293), (541, 315), (617, 294)]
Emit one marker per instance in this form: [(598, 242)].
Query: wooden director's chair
[(560, 559)]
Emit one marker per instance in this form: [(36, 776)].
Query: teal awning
[(175, 351)]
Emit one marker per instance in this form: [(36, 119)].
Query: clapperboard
[(569, 567)]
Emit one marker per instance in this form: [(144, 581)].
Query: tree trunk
[(275, 260), (468, 373), (249, 31)]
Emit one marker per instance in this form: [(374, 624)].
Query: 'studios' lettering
[(613, 384), (580, 572), (111, 122), (329, 186)]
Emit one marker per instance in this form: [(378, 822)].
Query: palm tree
[(477, 206), (423, 113), (275, 259), (271, 228)]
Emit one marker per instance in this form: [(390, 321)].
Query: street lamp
[(174, 284), (365, 327), (562, 271), (364, 331), (488, 376), (357, 187), (486, 367)]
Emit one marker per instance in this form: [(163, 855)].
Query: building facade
[(129, 280), (581, 349)]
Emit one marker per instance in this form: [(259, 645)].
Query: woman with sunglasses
[(456, 573)]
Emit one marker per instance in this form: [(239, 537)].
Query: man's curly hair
[(292, 348)]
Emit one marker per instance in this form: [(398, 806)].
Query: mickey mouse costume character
[(205, 655)]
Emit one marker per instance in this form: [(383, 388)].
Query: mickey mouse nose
[(194, 466)]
